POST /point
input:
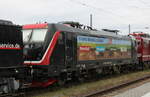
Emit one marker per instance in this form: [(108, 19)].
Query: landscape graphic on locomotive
[(93, 48), (59, 52)]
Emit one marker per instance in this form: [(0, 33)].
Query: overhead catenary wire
[(116, 16), (122, 19), (144, 3)]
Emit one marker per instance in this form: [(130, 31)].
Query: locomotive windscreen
[(33, 40), (34, 35), (11, 43)]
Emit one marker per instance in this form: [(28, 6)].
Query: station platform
[(147, 95), (141, 91)]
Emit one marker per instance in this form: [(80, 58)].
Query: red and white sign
[(85, 48), (10, 46)]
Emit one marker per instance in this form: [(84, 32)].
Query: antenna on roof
[(113, 31), (77, 25)]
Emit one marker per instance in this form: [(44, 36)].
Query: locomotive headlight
[(32, 71), (30, 66), (16, 71)]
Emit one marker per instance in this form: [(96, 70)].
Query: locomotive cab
[(33, 43)]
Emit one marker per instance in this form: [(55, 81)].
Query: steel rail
[(115, 87)]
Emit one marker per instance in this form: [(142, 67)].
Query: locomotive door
[(69, 49)]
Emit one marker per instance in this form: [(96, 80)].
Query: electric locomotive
[(143, 48), (11, 57), (60, 52)]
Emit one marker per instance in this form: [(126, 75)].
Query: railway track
[(28, 92), (13, 95), (115, 87)]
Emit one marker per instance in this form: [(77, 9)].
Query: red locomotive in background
[(143, 46)]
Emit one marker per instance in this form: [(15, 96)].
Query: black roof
[(64, 28), (5, 22)]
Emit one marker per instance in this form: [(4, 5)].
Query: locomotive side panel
[(98, 48), (10, 46)]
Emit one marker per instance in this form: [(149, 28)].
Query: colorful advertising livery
[(94, 48)]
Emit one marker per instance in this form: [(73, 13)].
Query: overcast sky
[(112, 14)]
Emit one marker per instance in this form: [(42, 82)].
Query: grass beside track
[(87, 87)]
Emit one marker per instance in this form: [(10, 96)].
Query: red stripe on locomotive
[(35, 26)]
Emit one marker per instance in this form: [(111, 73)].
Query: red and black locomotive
[(61, 52)]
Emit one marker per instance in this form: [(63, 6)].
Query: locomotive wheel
[(81, 79), (146, 66), (62, 79), (116, 69), (61, 82)]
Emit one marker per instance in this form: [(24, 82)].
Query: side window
[(138, 42), (60, 38), (69, 36)]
